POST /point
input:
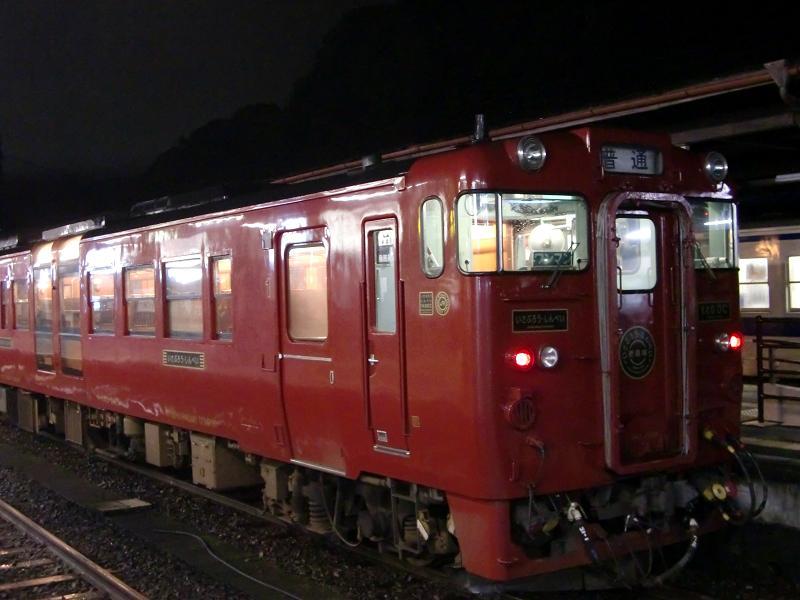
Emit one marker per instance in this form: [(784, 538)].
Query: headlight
[(531, 153), (548, 357), (716, 167)]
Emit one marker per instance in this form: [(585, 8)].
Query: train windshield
[(714, 224), (522, 232)]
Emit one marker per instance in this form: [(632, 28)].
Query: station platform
[(772, 439), (776, 446), (778, 436)]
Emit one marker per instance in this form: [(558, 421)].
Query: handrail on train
[(778, 369)]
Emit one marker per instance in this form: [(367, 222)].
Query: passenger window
[(753, 284), (432, 234), (101, 287), (70, 300), (223, 298), (5, 305), (43, 317), (794, 283), (140, 302), (184, 298), (21, 314), (307, 286), (636, 254), (70, 307)]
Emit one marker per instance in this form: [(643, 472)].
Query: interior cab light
[(521, 359)]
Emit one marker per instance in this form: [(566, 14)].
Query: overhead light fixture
[(787, 178)]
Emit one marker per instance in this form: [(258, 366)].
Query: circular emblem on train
[(442, 303), (637, 352)]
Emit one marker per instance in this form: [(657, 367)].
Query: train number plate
[(631, 159), (714, 311), (186, 360), (5, 342), (539, 320)]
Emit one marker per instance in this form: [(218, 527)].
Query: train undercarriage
[(616, 530)]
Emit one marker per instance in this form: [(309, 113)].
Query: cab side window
[(431, 221)]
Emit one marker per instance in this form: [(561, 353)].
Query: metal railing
[(777, 361)]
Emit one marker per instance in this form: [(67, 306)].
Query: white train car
[(769, 287)]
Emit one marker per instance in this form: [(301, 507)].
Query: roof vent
[(370, 160), (73, 229), (9, 242), (165, 204)]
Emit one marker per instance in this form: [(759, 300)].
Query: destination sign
[(631, 159), (552, 259)]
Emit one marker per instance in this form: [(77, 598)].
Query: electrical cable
[(678, 566), (227, 564), (575, 513), (635, 520), (735, 448), (332, 520), (764, 486)]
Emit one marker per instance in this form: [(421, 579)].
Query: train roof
[(215, 199)]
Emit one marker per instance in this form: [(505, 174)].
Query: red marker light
[(736, 341), (521, 359)]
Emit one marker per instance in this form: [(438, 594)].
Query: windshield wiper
[(703, 260), (558, 270)]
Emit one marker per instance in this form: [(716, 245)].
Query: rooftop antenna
[(480, 129)]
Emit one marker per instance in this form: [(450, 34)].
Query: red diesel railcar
[(519, 354)]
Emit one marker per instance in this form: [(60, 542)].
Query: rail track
[(34, 563), (667, 592), (387, 560)]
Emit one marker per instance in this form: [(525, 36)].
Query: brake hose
[(736, 448), (740, 448), (684, 560)]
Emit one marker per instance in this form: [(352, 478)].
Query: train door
[(385, 360), (307, 368), (650, 287)]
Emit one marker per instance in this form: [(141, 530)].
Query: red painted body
[(438, 391)]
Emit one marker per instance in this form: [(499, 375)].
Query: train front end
[(601, 271)]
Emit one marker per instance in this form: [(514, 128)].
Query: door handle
[(372, 360)]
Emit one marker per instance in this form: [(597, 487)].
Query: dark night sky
[(107, 102), (103, 86)]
